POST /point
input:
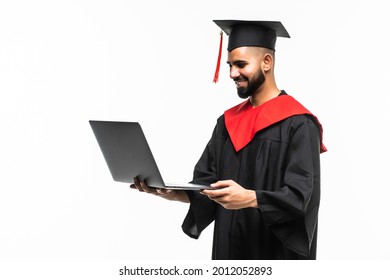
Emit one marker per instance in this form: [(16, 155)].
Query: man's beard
[(253, 86)]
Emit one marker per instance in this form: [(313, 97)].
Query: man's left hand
[(231, 195)]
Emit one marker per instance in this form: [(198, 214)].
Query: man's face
[(245, 70)]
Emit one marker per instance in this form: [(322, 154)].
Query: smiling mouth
[(240, 82)]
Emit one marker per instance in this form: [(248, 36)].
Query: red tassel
[(216, 75)]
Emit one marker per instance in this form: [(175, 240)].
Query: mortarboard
[(249, 33), (252, 33)]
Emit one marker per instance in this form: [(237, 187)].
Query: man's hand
[(164, 193), (231, 195)]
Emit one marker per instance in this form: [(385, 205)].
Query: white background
[(63, 63)]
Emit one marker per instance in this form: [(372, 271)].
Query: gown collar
[(243, 121)]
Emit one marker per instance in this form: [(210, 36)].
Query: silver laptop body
[(127, 154)]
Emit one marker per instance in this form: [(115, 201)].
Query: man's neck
[(264, 95)]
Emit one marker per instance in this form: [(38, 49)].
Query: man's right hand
[(164, 193)]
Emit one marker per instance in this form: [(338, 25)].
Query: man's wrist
[(253, 199)]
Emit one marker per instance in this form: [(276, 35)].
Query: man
[(262, 159)]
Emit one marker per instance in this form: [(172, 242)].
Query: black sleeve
[(202, 209), (292, 211)]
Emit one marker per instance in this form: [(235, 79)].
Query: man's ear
[(268, 62)]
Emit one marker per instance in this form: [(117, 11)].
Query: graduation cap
[(249, 33)]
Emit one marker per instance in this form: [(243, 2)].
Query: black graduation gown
[(282, 165)]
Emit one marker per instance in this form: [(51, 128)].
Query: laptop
[(128, 155)]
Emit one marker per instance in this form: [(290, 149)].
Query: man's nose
[(234, 73)]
